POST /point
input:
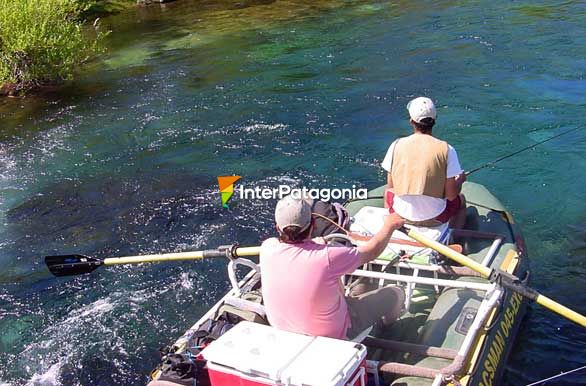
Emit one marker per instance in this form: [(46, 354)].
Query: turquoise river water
[(124, 160)]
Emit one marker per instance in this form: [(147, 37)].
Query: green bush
[(42, 41)]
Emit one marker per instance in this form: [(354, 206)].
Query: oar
[(503, 278), (65, 265), (358, 237)]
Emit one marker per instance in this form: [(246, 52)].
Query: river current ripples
[(124, 160)]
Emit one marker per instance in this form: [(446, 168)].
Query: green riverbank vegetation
[(44, 41)]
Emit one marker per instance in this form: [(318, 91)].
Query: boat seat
[(369, 220)]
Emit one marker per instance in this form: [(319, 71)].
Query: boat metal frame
[(492, 296)]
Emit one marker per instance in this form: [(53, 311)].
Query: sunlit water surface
[(124, 160)]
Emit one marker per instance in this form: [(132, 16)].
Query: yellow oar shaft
[(561, 309), (485, 271), (448, 252), (247, 251), (195, 255)]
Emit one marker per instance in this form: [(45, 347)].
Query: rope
[(331, 221), (562, 374)]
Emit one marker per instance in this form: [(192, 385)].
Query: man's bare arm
[(453, 186), (375, 246)]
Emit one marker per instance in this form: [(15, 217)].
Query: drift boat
[(457, 329)]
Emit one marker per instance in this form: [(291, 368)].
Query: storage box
[(252, 354), (328, 362)]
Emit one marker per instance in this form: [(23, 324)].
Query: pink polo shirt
[(301, 286)]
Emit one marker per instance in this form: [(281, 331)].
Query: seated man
[(424, 177), (301, 283)]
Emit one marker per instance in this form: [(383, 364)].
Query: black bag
[(184, 370), (211, 330), (328, 218), (188, 368)]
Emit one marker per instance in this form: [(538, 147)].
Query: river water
[(124, 160)]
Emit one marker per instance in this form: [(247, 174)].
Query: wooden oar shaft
[(561, 309), (485, 271), (359, 237), (195, 255), (247, 251), (448, 252)]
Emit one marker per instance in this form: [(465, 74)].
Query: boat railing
[(422, 280), (459, 357), (436, 269), (233, 264), (492, 252)]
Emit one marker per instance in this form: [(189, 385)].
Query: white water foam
[(48, 378), (64, 342), (263, 127)]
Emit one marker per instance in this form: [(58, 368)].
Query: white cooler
[(254, 354)]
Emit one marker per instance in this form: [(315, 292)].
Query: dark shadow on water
[(109, 216)]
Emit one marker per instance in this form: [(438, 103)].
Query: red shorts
[(452, 207)]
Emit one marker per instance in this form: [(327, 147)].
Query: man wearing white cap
[(301, 283), (424, 177)]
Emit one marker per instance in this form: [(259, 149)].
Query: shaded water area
[(124, 160)]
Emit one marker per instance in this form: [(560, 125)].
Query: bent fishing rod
[(491, 163)]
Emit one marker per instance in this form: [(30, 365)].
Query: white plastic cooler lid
[(255, 349), (325, 362)]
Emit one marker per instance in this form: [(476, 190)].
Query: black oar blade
[(66, 265)]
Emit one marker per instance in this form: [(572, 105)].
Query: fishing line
[(519, 151), (563, 374)]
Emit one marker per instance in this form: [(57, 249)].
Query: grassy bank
[(43, 41)]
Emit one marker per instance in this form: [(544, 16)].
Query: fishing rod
[(467, 173), (491, 163)]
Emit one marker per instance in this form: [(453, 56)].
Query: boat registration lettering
[(497, 347)]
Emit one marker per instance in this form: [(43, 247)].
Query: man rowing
[(424, 177), (301, 278)]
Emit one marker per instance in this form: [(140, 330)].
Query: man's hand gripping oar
[(65, 265), (497, 276)]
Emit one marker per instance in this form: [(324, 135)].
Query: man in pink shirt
[(301, 283)]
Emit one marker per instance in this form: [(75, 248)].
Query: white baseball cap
[(292, 211), (420, 108)]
